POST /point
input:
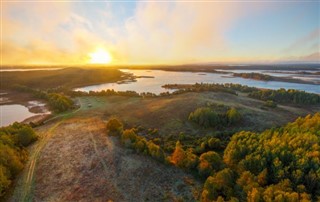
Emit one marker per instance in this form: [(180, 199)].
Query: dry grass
[(80, 163), (170, 114)]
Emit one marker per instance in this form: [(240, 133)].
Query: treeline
[(255, 76), (207, 117), (110, 92), (281, 95), (199, 87), (13, 156), (180, 89), (290, 96), (58, 102)]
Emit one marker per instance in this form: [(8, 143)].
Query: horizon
[(159, 33)]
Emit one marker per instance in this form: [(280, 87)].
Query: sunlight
[(100, 56)]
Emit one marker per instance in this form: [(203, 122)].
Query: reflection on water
[(161, 78)]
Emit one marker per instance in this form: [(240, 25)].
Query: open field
[(170, 114), (80, 163)]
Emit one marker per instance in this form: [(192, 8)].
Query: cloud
[(155, 32), (177, 32), (45, 33)]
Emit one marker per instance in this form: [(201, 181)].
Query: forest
[(278, 164)]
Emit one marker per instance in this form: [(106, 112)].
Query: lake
[(10, 113), (153, 85)]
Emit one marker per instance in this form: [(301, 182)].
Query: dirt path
[(80, 163), (25, 185), (23, 192)]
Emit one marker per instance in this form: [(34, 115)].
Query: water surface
[(13, 112), (10, 113), (161, 78)]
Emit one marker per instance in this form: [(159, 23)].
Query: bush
[(155, 151), (270, 103), (128, 138), (233, 116), (214, 143), (114, 126), (183, 159), (209, 161), (205, 117), (25, 136)]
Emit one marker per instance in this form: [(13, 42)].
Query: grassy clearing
[(170, 114)]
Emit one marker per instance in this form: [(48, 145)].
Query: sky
[(159, 32)]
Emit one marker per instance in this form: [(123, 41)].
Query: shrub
[(209, 161), (114, 126), (128, 138), (205, 117), (270, 103), (214, 143), (155, 151), (183, 159), (233, 116), (26, 136)]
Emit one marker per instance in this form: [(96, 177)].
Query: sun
[(100, 56)]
